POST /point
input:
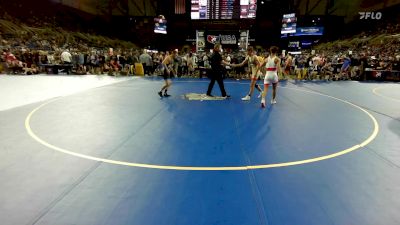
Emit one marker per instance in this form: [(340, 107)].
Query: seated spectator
[(50, 58), (81, 70), (355, 68), (43, 58), (191, 63), (327, 70), (12, 63), (396, 64), (32, 70), (2, 62), (125, 70), (382, 65), (27, 57), (122, 60), (115, 65), (106, 68), (94, 63), (363, 65), (102, 63)]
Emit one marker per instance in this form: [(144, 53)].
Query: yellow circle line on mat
[(205, 168), (375, 91)]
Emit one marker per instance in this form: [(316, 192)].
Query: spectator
[(66, 57), (344, 71), (190, 64), (355, 68)]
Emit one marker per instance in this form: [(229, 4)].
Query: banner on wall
[(200, 41), (223, 39), (243, 40), (309, 31), (229, 39)]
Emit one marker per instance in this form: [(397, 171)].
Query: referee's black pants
[(219, 79)]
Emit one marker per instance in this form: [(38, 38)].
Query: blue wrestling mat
[(326, 153)]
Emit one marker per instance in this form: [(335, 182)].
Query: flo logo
[(370, 15)]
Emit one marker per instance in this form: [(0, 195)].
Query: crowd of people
[(326, 62), (34, 52)]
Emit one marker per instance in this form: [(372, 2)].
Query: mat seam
[(253, 183)]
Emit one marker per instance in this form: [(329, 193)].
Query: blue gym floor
[(328, 153)]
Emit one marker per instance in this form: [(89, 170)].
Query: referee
[(217, 71)]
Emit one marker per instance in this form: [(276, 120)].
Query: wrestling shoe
[(263, 103), (246, 98)]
